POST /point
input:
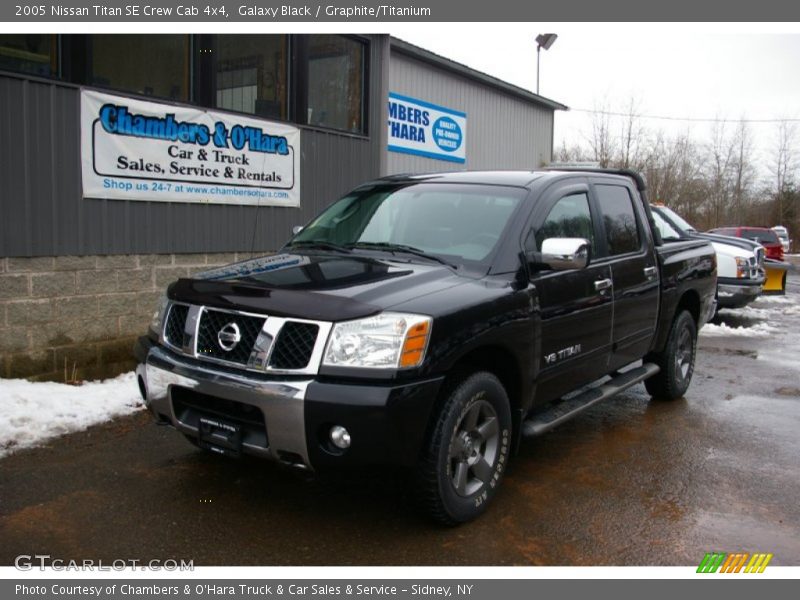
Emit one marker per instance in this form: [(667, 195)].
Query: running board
[(563, 411)]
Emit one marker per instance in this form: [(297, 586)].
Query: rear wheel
[(467, 452), (676, 360)]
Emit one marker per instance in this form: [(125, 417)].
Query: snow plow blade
[(775, 284)]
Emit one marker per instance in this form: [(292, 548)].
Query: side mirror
[(297, 229), (565, 254)]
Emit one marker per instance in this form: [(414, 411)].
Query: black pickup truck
[(432, 321)]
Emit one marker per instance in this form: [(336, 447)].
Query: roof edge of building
[(432, 58)]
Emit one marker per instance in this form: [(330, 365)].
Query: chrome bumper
[(736, 296), (280, 402)]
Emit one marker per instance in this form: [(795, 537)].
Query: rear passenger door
[(626, 243), (575, 306)]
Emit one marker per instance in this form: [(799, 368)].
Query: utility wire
[(685, 119)]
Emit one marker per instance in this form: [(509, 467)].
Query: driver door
[(575, 306)]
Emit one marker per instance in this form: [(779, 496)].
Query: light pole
[(543, 40)]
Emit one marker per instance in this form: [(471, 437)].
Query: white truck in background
[(740, 262)]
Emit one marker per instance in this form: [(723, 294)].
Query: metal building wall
[(43, 213), (503, 132)]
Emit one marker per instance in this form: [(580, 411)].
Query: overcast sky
[(671, 70)]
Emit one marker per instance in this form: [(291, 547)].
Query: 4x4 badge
[(229, 336)]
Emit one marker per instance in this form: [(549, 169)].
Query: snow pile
[(31, 413), (759, 330), (775, 300)]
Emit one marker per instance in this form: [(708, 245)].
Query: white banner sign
[(424, 129), (137, 150)]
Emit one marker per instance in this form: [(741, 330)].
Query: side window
[(619, 219), (569, 218)]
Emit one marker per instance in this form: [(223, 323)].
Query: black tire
[(676, 361), (467, 451)]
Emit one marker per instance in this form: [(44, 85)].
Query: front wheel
[(467, 452), (676, 360)]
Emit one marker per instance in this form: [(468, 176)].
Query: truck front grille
[(212, 322), (254, 342), (175, 326), (294, 345)]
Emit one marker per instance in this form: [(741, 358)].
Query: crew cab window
[(569, 218), (619, 219)]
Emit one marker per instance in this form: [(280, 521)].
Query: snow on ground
[(31, 413), (773, 317), (759, 330), (775, 300)]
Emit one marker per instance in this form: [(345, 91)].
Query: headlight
[(742, 268), (387, 340), (158, 315)]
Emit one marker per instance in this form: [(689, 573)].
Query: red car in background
[(766, 237)]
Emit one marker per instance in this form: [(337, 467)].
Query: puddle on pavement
[(731, 351)]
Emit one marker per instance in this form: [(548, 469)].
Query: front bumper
[(288, 419), (734, 293)]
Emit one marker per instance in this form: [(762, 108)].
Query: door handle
[(650, 272), (602, 284)]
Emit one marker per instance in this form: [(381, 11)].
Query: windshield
[(762, 236), (667, 231), (676, 220), (458, 223)]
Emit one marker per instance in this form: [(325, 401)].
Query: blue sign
[(425, 129)]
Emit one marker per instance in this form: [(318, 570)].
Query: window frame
[(82, 66), (548, 197), (207, 85), (552, 205), (644, 234), (54, 61), (299, 75)]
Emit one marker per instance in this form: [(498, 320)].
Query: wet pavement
[(629, 482)]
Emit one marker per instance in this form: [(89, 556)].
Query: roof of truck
[(499, 177)]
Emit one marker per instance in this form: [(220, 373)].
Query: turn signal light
[(414, 345)]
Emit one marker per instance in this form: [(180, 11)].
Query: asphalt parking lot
[(630, 482)]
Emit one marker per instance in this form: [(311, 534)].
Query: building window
[(335, 85), (31, 53), (150, 65), (250, 74)]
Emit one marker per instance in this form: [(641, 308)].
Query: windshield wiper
[(389, 247), (321, 245)]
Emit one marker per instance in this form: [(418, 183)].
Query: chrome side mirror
[(564, 254), (297, 229)]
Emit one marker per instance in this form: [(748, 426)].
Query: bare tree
[(721, 156), (784, 165), (633, 137), (743, 170), (601, 140)]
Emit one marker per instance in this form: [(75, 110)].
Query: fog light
[(340, 437)]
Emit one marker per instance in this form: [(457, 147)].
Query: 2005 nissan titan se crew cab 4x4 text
[(431, 322)]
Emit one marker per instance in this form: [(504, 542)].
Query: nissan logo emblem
[(229, 336)]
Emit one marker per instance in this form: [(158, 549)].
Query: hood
[(726, 249), (743, 243), (319, 287)]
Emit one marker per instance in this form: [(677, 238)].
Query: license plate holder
[(220, 436)]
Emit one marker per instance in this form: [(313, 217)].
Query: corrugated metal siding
[(43, 213), (503, 132)]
